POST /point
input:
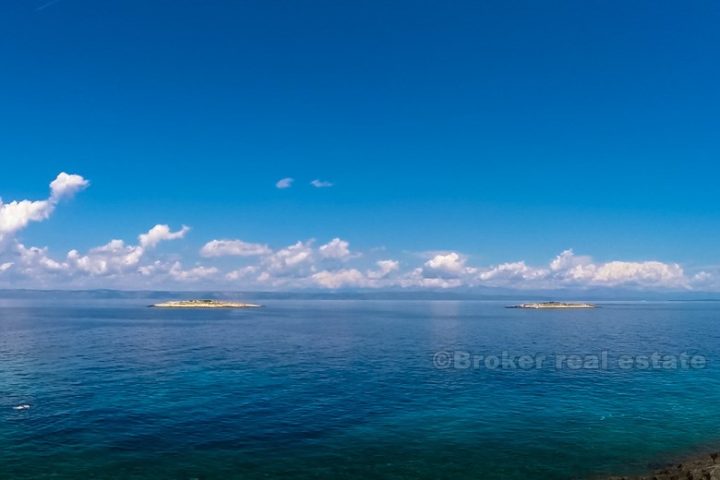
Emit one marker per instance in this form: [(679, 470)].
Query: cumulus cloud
[(160, 233), (16, 215), (336, 249), (242, 273), (450, 263), (384, 268), (353, 277), (111, 258), (513, 271), (570, 270), (219, 248), (66, 185), (35, 262), (284, 183), (447, 265), (568, 260), (114, 260), (116, 257), (303, 265), (339, 278), (418, 278), (642, 273), (317, 183), (199, 272), (295, 264), (290, 259)]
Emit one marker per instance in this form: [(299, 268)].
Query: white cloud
[(570, 270), (518, 271), (299, 265), (66, 185), (16, 215), (242, 273), (154, 269), (115, 257), (417, 278), (352, 277), (702, 277), (219, 248), (112, 258), (317, 183), (290, 259), (385, 268), (192, 274), (35, 262), (339, 278), (580, 270), (116, 261), (160, 233), (284, 183), (567, 260), (643, 273), (336, 249), (450, 264)]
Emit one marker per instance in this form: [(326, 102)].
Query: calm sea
[(352, 389)]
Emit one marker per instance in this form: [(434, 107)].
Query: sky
[(324, 144)]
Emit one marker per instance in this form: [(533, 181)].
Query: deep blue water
[(347, 390)]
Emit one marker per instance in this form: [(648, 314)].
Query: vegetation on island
[(204, 303)]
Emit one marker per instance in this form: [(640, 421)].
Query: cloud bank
[(238, 264)]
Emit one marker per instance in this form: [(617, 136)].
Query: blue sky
[(503, 131)]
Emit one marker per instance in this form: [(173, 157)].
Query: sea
[(108, 388)]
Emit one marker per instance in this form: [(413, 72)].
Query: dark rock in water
[(702, 467)]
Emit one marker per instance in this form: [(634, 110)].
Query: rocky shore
[(702, 467)]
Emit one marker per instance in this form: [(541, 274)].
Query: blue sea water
[(348, 390)]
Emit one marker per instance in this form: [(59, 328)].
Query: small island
[(547, 305), (204, 304)]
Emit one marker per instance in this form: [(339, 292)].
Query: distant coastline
[(487, 294)]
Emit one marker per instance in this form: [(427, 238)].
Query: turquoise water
[(347, 390)]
